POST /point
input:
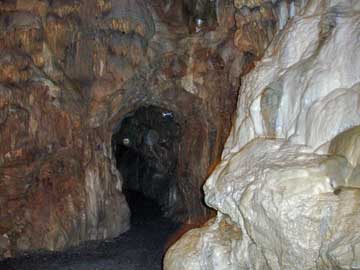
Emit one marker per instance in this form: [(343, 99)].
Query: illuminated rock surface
[(288, 181)]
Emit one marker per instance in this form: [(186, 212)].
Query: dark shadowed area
[(146, 148)]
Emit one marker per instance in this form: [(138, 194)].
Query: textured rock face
[(53, 167), (70, 71), (287, 185)]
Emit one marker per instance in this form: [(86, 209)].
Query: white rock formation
[(287, 189)]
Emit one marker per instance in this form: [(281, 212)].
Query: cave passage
[(146, 146)]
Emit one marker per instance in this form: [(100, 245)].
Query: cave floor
[(142, 247)]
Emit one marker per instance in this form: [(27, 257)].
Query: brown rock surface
[(69, 73)]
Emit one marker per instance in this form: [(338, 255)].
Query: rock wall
[(58, 185), (58, 181), (71, 70), (287, 189)]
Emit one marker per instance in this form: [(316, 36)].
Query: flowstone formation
[(287, 188)]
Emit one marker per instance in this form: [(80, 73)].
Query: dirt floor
[(141, 248)]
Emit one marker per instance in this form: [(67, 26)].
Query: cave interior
[(146, 146), (124, 124)]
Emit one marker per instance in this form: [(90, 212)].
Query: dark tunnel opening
[(146, 146)]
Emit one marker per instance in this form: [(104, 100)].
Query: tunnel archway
[(146, 146)]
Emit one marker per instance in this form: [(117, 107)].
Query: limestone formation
[(288, 182)]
